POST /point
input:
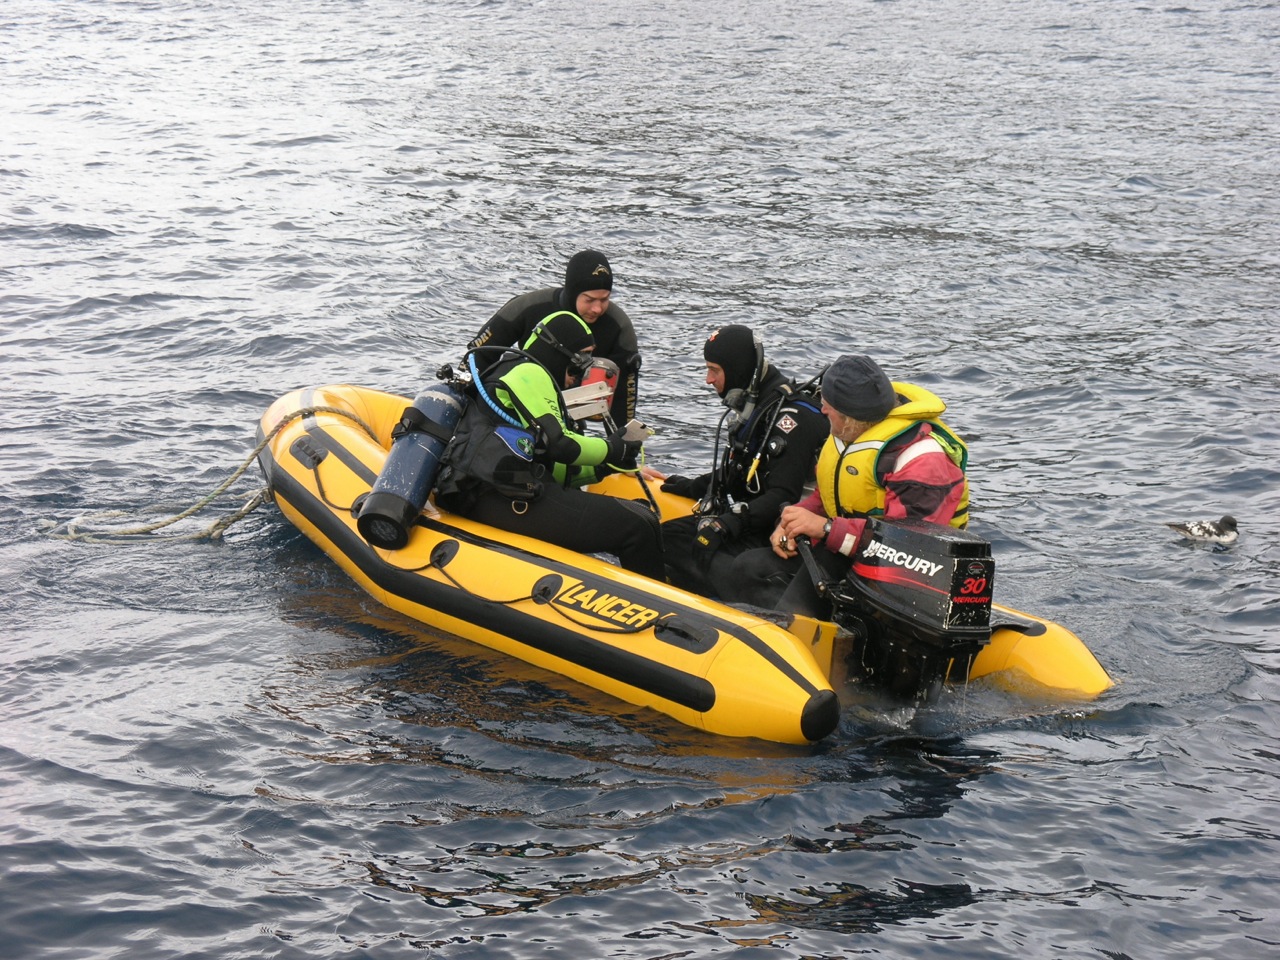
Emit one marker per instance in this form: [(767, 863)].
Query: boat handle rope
[(433, 565), (595, 625), (72, 530), (324, 496)]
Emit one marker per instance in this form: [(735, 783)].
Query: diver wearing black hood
[(775, 431), (587, 291), (517, 457)]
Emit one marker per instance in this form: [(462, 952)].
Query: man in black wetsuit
[(587, 291), (774, 432)]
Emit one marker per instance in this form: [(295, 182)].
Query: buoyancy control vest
[(754, 444), (493, 453), (850, 479)]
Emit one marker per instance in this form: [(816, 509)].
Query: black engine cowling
[(918, 603)]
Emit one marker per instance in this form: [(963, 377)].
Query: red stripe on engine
[(891, 575)]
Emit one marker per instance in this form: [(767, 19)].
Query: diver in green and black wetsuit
[(518, 458)]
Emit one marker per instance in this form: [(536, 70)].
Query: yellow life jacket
[(847, 477)]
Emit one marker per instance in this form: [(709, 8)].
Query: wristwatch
[(826, 529)]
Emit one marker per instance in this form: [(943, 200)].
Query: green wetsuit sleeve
[(528, 388)]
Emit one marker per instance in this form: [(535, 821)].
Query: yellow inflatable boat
[(717, 668)]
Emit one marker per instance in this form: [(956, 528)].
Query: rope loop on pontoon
[(72, 529)]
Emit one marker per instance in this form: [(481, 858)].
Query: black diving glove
[(622, 453), (711, 534), (692, 487), (714, 532)]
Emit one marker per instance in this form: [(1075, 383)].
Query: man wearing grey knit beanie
[(888, 455)]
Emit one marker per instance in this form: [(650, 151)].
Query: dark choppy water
[(1063, 217)]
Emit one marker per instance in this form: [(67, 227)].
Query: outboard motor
[(418, 443), (918, 601)]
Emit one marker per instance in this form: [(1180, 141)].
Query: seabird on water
[(1208, 531)]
